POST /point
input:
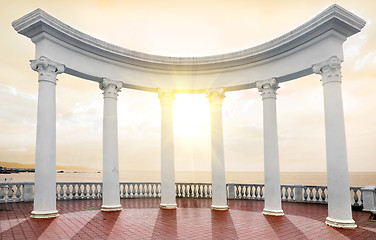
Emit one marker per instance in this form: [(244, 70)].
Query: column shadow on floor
[(33, 228), (282, 226), (102, 224), (222, 225), (165, 225)]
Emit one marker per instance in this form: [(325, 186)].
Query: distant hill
[(58, 167)]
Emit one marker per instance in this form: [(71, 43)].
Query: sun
[(191, 115)]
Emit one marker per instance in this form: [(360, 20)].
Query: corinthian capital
[(215, 95), (166, 96), (110, 88), (268, 88), (330, 70), (47, 69)]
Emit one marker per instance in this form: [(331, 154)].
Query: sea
[(305, 178)]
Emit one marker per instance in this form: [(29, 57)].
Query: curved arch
[(284, 58)]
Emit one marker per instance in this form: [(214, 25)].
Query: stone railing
[(23, 191), (291, 193)]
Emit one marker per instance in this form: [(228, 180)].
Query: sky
[(187, 28)]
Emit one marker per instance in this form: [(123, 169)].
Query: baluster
[(142, 190), (126, 190), (317, 194), (138, 190), (196, 191), (159, 190), (311, 193), (67, 192), (147, 190), (236, 191), (18, 191), (178, 194), (96, 191), (356, 198), (261, 192), (249, 190), (281, 192), (305, 195), (10, 191), (323, 196), (292, 193), (74, 190), (61, 192), (85, 190), (79, 192), (132, 190), (101, 190), (90, 190), (361, 197), (287, 193), (2, 192), (182, 190), (258, 188)]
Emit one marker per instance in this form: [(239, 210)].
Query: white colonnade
[(168, 200), (219, 198), (272, 205), (45, 155), (111, 193), (318, 41), (339, 201)]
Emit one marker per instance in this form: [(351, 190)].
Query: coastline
[(306, 178)]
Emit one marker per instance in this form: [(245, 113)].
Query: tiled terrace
[(142, 219)]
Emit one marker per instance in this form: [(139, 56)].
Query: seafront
[(308, 178)]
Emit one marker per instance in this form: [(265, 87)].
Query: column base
[(340, 223), (272, 212), (111, 208), (44, 214), (168, 206), (219, 208)]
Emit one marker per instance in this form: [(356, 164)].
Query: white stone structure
[(314, 47)]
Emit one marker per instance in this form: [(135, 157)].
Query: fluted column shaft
[(339, 201), (111, 192), (168, 200), (45, 156), (272, 202), (219, 198)]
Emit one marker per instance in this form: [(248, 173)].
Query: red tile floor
[(142, 219)]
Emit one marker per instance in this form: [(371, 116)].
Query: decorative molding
[(47, 69), (268, 88), (110, 88), (330, 70), (333, 18), (166, 96), (215, 95)]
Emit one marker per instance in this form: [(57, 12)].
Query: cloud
[(17, 107), (368, 59), (21, 149)]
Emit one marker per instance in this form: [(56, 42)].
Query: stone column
[(168, 200), (219, 198), (45, 156), (339, 201), (111, 191), (272, 202)]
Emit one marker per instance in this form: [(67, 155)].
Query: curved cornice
[(333, 18)]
